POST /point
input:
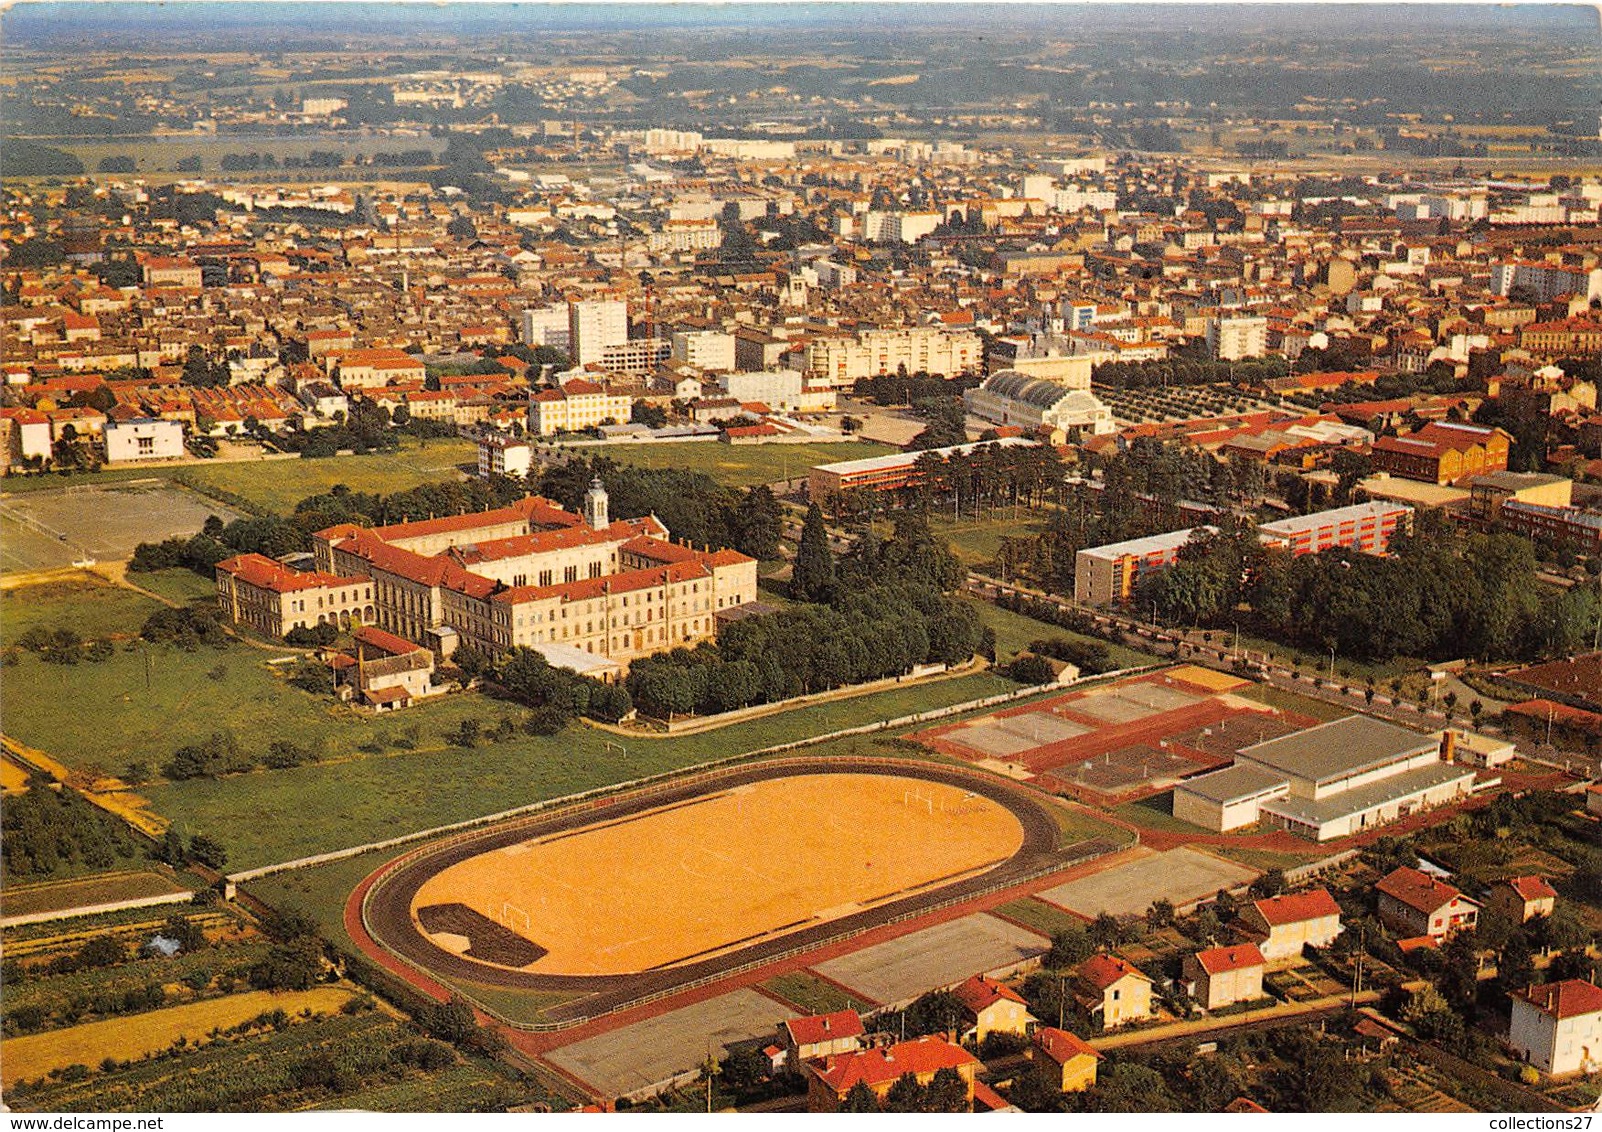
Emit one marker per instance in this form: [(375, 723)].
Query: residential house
[(1286, 924), (1223, 976), (1115, 990), (1522, 899), (830, 1079), (1417, 905), (820, 1035), (1557, 1027), (992, 1008), (1066, 1060)]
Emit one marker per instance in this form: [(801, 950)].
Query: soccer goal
[(512, 915), (917, 799)]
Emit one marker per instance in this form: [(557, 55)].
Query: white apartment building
[(1546, 281), (1233, 337), (841, 361), (547, 326), (504, 456), (593, 325), (711, 350), (784, 390), (685, 236), (899, 227)]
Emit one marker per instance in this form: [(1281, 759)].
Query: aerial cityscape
[(800, 558)]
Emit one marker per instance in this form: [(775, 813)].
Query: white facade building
[(146, 439), (1033, 403), (1233, 337), (705, 349), (593, 325)]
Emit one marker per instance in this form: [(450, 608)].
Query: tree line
[(1441, 594), (691, 504), (865, 635), (48, 831)]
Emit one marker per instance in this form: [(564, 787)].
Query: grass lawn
[(1287, 700), (321, 891), (1155, 813), (1014, 632), (977, 541), (812, 994), (92, 607), (107, 715), (278, 485), (361, 799), (1042, 917), (178, 585), (737, 465), (1266, 859)]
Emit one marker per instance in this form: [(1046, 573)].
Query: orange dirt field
[(691, 879)]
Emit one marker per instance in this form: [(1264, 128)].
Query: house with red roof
[(1284, 925), (820, 1035), (830, 1079), (1416, 905), (991, 1007), (1064, 1059), (1522, 899), (1557, 1027), (1223, 976), (1115, 990)]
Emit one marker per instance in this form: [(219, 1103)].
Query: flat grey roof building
[(1338, 749)]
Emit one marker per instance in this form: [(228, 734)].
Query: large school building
[(531, 574)]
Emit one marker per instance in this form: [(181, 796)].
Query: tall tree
[(812, 577)]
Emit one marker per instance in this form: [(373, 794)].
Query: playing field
[(701, 876)]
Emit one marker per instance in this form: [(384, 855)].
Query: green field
[(278, 485), (1014, 632), (131, 709), (92, 607), (362, 799), (178, 585), (737, 465), (812, 994), (1042, 917)]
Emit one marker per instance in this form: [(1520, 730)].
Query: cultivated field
[(849, 842), (738, 465), (82, 892), (135, 1036)]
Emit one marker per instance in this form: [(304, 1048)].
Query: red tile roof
[(1061, 1046), (818, 1028), (1237, 957), (883, 1066), (1417, 889), (1102, 971), (1567, 999), (982, 992), (1532, 888), (265, 574), (1297, 907), (385, 642)]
